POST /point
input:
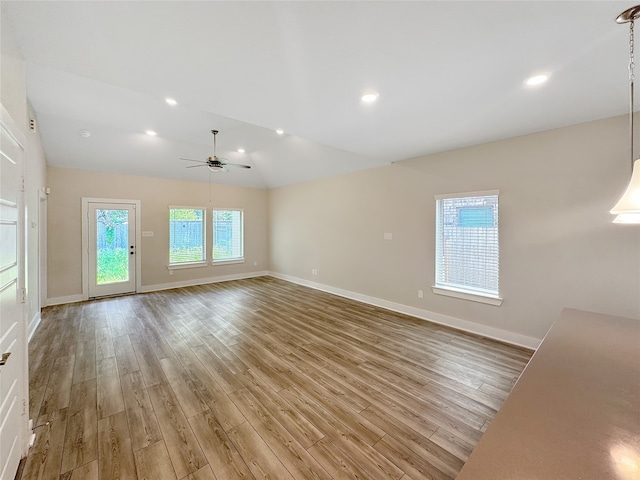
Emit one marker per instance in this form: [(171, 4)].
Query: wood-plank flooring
[(256, 379)]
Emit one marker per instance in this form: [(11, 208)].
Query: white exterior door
[(112, 248), (12, 323)]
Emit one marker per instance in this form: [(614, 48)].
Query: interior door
[(12, 325), (112, 249)]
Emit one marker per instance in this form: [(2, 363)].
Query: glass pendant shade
[(629, 204), (627, 210)]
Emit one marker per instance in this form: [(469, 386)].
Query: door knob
[(5, 356)]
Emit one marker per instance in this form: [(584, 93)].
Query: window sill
[(468, 295), (228, 262), (180, 266)]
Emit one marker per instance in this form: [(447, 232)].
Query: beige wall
[(68, 186), (558, 245), (13, 85)]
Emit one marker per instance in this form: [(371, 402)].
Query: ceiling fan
[(214, 163)]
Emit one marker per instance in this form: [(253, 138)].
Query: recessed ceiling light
[(280, 131), (171, 101), (151, 133), (85, 133), (241, 150), (369, 97), (537, 79)]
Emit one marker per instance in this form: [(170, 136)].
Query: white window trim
[(187, 207), (228, 261), (468, 295), (484, 193), (471, 295), (181, 266), (200, 263)]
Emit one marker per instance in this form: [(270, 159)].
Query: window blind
[(228, 235), (467, 243)]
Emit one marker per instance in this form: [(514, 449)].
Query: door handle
[(5, 357)]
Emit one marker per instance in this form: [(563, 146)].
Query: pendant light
[(628, 207)]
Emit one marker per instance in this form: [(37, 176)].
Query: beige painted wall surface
[(13, 85), (68, 186), (558, 245)]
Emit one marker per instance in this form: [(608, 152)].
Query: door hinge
[(22, 295), (22, 183)]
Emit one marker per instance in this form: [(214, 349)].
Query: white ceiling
[(449, 74)]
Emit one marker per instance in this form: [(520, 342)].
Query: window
[(187, 235), (467, 247), (228, 236)]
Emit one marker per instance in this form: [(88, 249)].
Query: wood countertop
[(574, 414)]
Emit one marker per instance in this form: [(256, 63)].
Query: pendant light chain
[(631, 84)]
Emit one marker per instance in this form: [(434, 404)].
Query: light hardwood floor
[(259, 379)]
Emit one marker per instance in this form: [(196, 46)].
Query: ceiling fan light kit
[(217, 168), (627, 210), (214, 163)]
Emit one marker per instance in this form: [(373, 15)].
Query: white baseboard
[(33, 325), (453, 322), (63, 300), (166, 286), (200, 281)]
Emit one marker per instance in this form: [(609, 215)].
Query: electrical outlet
[(420, 294), (314, 271), (255, 264)]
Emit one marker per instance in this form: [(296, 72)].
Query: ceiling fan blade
[(215, 163), (192, 160), (238, 165)]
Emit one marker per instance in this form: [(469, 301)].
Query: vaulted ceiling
[(448, 74)]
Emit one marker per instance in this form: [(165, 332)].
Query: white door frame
[(43, 205), (85, 240)]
